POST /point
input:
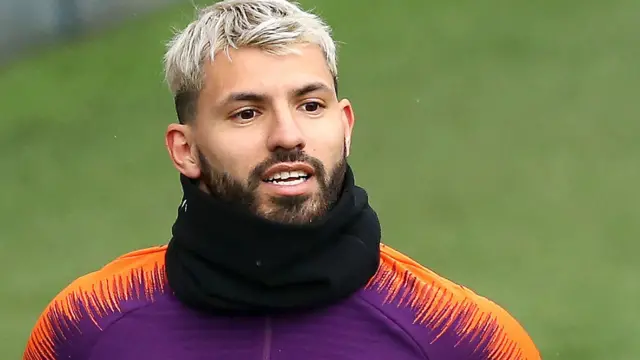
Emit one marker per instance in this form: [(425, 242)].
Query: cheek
[(327, 146), (233, 154)]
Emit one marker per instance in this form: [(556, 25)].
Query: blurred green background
[(498, 141)]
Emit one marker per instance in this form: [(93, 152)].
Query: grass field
[(498, 141)]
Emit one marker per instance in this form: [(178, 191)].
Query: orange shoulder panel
[(138, 274), (442, 304)]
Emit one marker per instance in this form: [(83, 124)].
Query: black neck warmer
[(224, 259)]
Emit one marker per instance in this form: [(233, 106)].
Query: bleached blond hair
[(270, 25)]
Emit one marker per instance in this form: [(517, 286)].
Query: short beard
[(298, 209)]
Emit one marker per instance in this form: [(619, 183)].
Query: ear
[(182, 151), (348, 120)]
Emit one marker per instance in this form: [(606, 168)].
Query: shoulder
[(72, 321), (445, 317)]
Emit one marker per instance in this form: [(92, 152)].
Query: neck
[(224, 258)]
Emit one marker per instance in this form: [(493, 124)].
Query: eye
[(312, 107), (245, 115)]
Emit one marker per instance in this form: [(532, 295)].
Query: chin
[(298, 209)]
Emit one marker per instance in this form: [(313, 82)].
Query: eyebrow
[(245, 96), (309, 88), (263, 98)]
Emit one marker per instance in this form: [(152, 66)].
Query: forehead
[(253, 69)]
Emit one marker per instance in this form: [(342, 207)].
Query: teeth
[(290, 183), (288, 174)]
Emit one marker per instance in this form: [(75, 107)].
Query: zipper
[(266, 350)]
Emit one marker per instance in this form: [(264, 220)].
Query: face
[(269, 134)]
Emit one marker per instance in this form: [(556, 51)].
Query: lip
[(305, 187), (298, 166)]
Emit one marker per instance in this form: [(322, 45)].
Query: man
[(275, 252)]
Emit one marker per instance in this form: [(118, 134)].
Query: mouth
[(288, 174)]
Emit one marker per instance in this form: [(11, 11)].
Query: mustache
[(284, 155)]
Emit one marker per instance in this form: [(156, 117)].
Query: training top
[(126, 311)]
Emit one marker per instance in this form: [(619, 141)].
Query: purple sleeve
[(71, 326), (65, 330)]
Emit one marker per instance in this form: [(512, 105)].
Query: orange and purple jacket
[(126, 311)]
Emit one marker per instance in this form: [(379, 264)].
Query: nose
[(285, 132)]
